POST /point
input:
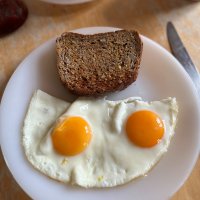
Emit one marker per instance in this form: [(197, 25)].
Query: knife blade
[(180, 52)]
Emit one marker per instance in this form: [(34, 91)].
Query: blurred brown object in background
[(13, 14)]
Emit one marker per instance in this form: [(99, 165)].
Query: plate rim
[(66, 3)]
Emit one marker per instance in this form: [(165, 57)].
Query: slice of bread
[(100, 63)]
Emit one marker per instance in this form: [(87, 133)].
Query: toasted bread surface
[(100, 63)]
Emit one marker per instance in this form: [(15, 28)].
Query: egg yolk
[(144, 128), (71, 136)]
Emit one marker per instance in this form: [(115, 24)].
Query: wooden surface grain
[(149, 17)]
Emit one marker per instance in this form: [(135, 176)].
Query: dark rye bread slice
[(99, 63)]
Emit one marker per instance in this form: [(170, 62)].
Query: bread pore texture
[(92, 65)]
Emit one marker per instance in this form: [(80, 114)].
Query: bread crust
[(92, 65)]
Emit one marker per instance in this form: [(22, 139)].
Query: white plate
[(66, 1), (160, 76)]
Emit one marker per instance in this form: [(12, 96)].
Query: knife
[(180, 52)]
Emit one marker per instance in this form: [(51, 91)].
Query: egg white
[(110, 159)]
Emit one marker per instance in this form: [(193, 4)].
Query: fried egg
[(96, 142)]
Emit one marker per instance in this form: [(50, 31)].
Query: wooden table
[(149, 17)]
